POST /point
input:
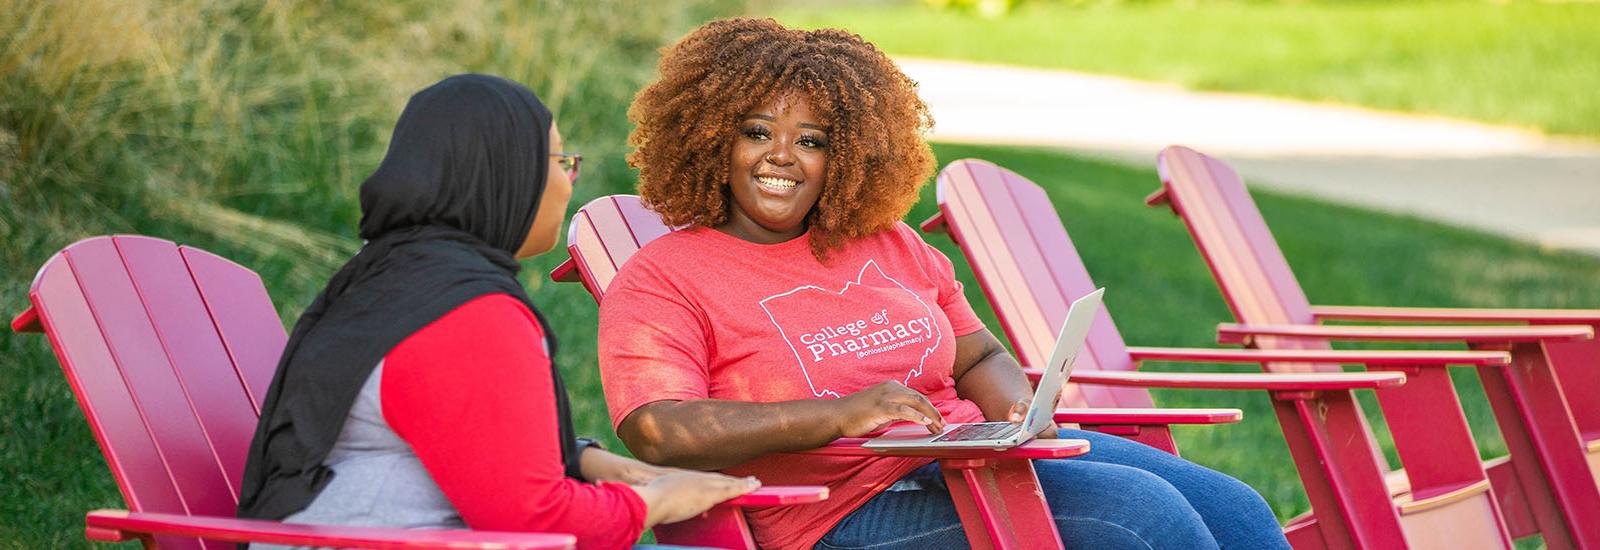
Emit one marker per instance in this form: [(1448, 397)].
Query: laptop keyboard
[(981, 431)]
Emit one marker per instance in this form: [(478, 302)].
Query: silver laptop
[(1041, 414)]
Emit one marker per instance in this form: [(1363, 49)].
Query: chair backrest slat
[(1031, 272), (165, 348), (195, 353), (612, 228), (242, 311), (1000, 273), (1213, 198), (1255, 279), (148, 370), (97, 382), (644, 224), (1071, 276), (584, 241), (608, 231)]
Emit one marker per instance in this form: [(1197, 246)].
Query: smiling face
[(776, 170)]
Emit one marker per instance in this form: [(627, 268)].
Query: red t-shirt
[(702, 314), (472, 394)]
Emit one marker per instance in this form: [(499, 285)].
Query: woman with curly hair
[(795, 308)]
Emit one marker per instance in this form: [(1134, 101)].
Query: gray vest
[(377, 480)]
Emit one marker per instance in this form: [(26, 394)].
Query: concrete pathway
[(1500, 180)]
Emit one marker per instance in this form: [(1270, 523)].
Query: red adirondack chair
[(1029, 268), (169, 350), (1550, 483), (996, 492)]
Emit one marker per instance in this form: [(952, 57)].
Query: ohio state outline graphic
[(860, 333)]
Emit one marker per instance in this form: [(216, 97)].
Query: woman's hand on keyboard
[(878, 406)]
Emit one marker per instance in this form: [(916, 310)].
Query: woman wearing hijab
[(418, 390)]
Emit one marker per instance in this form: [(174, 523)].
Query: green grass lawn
[(245, 128), (1529, 64)]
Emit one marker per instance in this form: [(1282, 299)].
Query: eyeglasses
[(569, 163)]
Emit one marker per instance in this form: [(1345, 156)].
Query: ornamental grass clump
[(245, 127)]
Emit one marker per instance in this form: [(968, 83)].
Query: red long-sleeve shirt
[(473, 396)]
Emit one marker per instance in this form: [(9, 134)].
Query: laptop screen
[(1073, 333)]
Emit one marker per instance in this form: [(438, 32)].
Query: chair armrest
[(1458, 315), (1234, 333), (27, 321), (1398, 358), (566, 272), (1243, 381), (1033, 449), (935, 224), (780, 495), (122, 525), (1159, 197), (1148, 417)]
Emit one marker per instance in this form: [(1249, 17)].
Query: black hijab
[(443, 215)]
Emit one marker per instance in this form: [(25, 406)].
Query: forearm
[(597, 464), (711, 434), (994, 384)]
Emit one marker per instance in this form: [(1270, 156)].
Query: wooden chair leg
[(719, 527), (1513, 504), (1304, 533), (1000, 505), (1446, 478), (1159, 437), (1339, 466), (1547, 454), (1577, 365)]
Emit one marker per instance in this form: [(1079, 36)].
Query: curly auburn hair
[(687, 121)]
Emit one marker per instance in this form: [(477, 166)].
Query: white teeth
[(777, 183)]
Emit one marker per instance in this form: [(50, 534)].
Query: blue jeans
[(1120, 495)]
